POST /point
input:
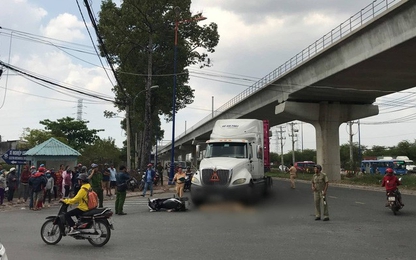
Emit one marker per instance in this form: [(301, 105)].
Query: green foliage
[(102, 151), (74, 131), (139, 34), (35, 137)]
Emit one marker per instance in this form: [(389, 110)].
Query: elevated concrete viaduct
[(336, 85)]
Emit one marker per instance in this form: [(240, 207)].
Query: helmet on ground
[(94, 165), (83, 177), (41, 169), (389, 170), (319, 167), (12, 169)]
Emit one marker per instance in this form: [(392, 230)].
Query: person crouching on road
[(82, 199), (179, 180), (319, 188), (149, 176)]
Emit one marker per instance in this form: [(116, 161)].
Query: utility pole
[(281, 137), (293, 134)]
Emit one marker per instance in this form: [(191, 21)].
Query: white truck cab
[(234, 161)]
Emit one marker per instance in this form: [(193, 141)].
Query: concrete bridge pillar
[(326, 118)]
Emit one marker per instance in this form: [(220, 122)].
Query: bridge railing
[(354, 22)]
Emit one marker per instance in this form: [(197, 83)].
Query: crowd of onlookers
[(38, 187)]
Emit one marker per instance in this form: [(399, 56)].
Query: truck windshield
[(233, 150)]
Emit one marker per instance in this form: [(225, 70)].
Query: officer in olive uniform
[(319, 188)]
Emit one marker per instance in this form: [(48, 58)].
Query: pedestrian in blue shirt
[(148, 178)]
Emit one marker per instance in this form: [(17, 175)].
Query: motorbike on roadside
[(132, 184), (188, 181), (94, 225), (142, 182), (156, 179)]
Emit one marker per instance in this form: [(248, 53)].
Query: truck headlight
[(195, 180), (239, 181)]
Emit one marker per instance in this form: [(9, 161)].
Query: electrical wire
[(52, 83)]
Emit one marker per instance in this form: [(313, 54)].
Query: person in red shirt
[(390, 181)]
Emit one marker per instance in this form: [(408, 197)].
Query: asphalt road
[(281, 227)]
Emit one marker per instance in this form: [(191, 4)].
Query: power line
[(52, 83)]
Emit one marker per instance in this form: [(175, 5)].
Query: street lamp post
[(177, 22)]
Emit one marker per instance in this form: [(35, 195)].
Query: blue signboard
[(13, 156)]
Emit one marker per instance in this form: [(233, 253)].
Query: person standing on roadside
[(149, 176), (11, 184), (106, 180), (31, 193), (179, 180), (2, 186), (319, 188), (95, 177), (292, 175), (38, 182), (113, 179), (122, 178), (48, 188), (66, 181), (24, 184)]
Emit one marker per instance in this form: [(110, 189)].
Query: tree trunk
[(147, 141)]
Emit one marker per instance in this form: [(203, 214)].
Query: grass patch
[(408, 181)]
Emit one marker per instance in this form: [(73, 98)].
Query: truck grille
[(220, 178)]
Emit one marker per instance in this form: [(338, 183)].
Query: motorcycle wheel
[(50, 233), (141, 186), (101, 225)]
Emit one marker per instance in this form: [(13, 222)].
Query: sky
[(49, 39)]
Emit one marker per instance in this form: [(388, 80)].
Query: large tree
[(139, 39), (102, 151), (74, 131)]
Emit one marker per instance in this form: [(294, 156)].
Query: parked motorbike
[(94, 225), (156, 179), (132, 184), (167, 204), (188, 181), (142, 182)]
